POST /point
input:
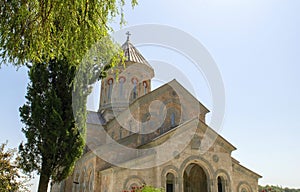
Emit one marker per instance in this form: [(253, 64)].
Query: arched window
[(112, 135), (104, 93), (143, 139), (121, 86), (91, 182), (221, 184), (161, 130), (134, 94), (143, 134), (110, 85), (172, 118), (170, 182), (82, 181), (120, 134), (145, 85), (130, 125)]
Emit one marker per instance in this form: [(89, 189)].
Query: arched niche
[(244, 187), (195, 179), (133, 181), (203, 164)]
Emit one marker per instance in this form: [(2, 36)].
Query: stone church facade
[(155, 137)]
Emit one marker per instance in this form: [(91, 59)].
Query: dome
[(132, 54)]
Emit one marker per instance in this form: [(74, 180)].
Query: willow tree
[(41, 30), (57, 37)]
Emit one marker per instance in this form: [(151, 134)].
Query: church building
[(160, 138)]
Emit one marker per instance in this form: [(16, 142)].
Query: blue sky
[(256, 46)]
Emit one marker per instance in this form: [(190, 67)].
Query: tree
[(55, 138), (41, 30), (271, 188), (10, 178), (43, 34)]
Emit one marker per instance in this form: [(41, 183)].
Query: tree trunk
[(44, 180)]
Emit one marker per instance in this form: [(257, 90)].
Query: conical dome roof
[(132, 54)]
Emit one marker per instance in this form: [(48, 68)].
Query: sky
[(256, 47)]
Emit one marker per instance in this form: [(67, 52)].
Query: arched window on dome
[(91, 182), (172, 118), (161, 130), (145, 85), (82, 181), (134, 82), (130, 126), (110, 85), (143, 132), (121, 86), (112, 135), (120, 134)]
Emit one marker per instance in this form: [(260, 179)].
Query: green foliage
[(152, 189), (271, 188), (146, 188), (57, 39), (54, 140), (39, 31), (55, 112), (10, 178)]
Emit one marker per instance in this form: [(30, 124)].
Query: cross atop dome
[(128, 35)]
